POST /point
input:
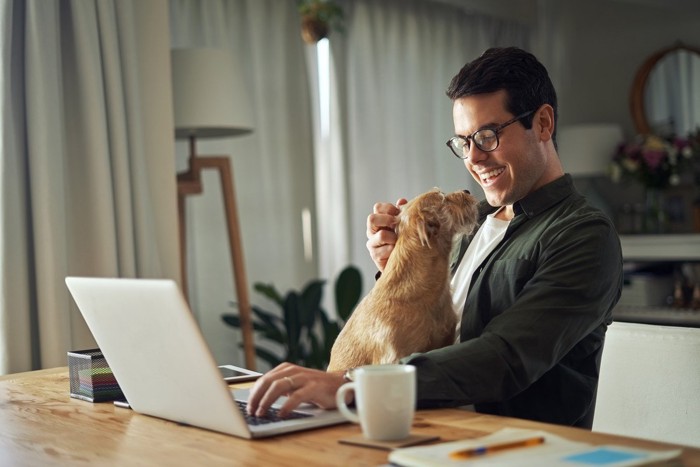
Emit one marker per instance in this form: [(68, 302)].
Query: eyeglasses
[(485, 139)]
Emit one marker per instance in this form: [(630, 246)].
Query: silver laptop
[(162, 363)]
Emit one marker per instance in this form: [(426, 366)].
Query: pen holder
[(91, 379)]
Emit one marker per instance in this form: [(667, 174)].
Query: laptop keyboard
[(271, 416)]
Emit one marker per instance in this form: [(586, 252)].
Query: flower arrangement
[(657, 162)]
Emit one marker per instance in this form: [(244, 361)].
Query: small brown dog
[(410, 307)]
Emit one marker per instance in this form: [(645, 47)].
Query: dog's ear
[(428, 226), (422, 216)]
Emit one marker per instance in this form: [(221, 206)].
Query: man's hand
[(299, 384), (381, 236)]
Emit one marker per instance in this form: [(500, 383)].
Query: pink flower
[(657, 161), (653, 157), (680, 143)]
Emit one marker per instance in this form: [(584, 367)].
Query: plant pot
[(313, 29)]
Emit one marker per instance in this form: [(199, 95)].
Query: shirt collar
[(539, 200)]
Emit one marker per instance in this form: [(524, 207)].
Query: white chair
[(649, 383)]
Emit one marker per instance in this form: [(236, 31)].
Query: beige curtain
[(390, 70), (87, 171)]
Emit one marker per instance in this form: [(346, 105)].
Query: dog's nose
[(467, 192)]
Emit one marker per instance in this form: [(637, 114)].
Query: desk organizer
[(91, 379)]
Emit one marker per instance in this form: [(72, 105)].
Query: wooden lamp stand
[(190, 182)]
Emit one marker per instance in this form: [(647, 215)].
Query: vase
[(654, 221)]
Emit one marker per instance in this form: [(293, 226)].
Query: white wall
[(593, 50), (602, 44)]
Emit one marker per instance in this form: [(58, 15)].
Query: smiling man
[(533, 287)]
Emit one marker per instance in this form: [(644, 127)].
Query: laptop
[(162, 363)]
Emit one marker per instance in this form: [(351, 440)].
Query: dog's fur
[(410, 307)]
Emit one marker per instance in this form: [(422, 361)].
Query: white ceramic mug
[(385, 397)]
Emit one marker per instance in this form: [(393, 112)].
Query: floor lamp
[(210, 101)]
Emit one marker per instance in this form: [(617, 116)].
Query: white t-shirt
[(487, 237)]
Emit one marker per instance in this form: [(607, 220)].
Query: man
[(534, 286)]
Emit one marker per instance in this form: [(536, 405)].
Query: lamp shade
[(587, 149), (209, 94)]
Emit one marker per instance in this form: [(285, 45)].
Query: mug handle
[(340, 402)]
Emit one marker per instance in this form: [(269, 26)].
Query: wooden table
[(40, 424)]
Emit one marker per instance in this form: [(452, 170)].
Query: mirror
[(665, 95)]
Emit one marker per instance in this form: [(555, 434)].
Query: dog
[(409, 309)]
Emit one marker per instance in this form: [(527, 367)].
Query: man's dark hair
[(514, 70)]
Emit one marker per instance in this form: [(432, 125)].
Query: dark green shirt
[(535, 315)]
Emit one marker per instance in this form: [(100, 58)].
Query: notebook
[(162, 363), (516, 447)]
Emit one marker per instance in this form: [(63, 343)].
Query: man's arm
[(566, 290)]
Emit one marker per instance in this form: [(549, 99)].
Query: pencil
[(481, 450)]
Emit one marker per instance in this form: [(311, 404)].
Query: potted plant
[(303, 329), (318, 18)]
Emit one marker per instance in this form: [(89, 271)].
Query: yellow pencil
[(481, 450)]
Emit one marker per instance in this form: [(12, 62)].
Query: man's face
[(517, 166)]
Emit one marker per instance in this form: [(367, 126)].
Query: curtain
[(392, 66), (272, 167), (86, 168)]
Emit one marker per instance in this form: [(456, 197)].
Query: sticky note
[(603, 456)]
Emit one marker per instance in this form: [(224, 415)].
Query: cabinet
[(664, 261)]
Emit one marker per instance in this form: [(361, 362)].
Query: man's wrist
[(349, 375)]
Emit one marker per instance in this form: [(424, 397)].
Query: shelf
[(658, 315), (676, 247), (657, 248)]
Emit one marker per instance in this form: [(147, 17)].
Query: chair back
[(649, 384)]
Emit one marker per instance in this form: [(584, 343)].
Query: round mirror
[(665, 95)]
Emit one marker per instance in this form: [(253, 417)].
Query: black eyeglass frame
[(496, 131)]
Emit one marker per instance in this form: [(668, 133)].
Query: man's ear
[(543, 122)]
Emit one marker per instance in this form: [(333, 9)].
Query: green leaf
[(235, 321), (269, 357), (231, 320), (330, 332), (348, 289), (317, 359), (323, 318), (269, 332), (292, 316), (273, 334), (269, 291), (292, 324), (271, 325), (310, 302), (268, 318), (312, 293)]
